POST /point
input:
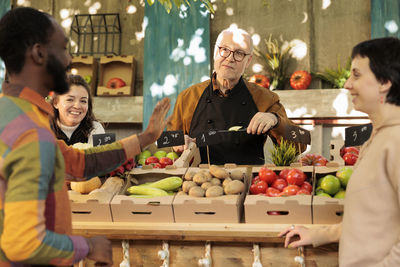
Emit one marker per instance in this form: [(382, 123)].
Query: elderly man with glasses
[(228, 100)]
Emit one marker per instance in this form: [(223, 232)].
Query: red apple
[(115, 83), (164, 161), (296, 177), (279, 184), (151, 160), (267, 175)]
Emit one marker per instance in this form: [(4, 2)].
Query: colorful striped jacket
[(35, 216)]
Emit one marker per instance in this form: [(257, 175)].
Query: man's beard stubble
[(58, 72)]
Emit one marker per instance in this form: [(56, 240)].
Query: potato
[(226, 181), (236, 175), (206, 185), (189, 175), (218, 172), (196, 191), (215, 181), (214, 191), (181, 193), (200, 178), (207, 174), (234, 187), (187, 185)]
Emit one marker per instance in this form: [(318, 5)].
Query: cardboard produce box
[(95, 206), (157, 209), (326, 210), (276, 210), (120, 67), (86, 66), (220, 209)]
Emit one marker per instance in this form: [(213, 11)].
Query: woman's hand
[(301, 231)]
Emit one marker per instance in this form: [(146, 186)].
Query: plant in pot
[(276, 58), (336, 77)]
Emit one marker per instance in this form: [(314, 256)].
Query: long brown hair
[(86, 125)]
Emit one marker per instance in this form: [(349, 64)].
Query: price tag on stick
[(210, 137), (171, 138), (102, 139), (357, 135), (297, 134)]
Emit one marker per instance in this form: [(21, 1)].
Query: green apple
[(172, 155), (142, 161), (330, 184), (322, 194), (88, 79), (160, 154), (341, 194), (144, 154), (344, 175)]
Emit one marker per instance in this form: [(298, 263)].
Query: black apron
[(221, 113)]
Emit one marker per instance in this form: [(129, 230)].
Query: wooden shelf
[(128, 109)]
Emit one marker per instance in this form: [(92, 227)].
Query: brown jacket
[(370, 231), (265, 100)]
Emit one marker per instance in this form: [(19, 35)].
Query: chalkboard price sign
[(210, 137), (357, 135), (171, 138), (102, 139), (297, 134)]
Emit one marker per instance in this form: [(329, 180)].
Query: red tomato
[(260, 80), (164, 161), (349, 149), (259, 187), (255, 179), (158, 166), (306, 186), (151, 160), (273, 213), (291, 190), (300, 80), (296, 176), (350, 158), (279, 184), (115, 83), (272, 192), (313, 160), (267, 175), (283, 173), (303, 192)]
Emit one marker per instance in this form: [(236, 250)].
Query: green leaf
[(150, 2)]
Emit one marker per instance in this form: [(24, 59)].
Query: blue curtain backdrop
[(385, 18), (4, 7), (176, 52)]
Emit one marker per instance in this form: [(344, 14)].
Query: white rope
[(164, 254), (256, 253), (125, 253), (206, 261)]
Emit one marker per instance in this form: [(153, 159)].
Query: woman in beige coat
[(369, 234)]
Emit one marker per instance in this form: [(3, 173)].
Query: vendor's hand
[(181, 148), (157, 123), (301, 231), (100, 250), (261, 123)]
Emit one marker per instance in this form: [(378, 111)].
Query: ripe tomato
[(267, 175), (300, 80), (313, 160), (291, 190), (283, 173), (272, 192), (259, 187), (158, 166), (303, 192), (296, 177), (260, 80), (279, 184), (255, 179), (350, 158), (306, 186), (273, 213), (349, 149)]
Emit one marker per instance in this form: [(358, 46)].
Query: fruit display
[(313, 160), (214, 182), (260, 80), (300, 80), (287, 182), (334, 184), (349, 155), (115, 83), (164, 187), (160, 158)]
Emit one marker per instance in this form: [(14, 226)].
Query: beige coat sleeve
[(325, 234)]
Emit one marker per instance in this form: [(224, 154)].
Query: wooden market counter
[(231, 245)]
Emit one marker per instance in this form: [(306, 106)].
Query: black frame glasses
[(237, 54)]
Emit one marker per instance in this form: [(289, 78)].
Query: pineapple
[(284, 153)]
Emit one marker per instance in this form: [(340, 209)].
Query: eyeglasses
[(237, 54)]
